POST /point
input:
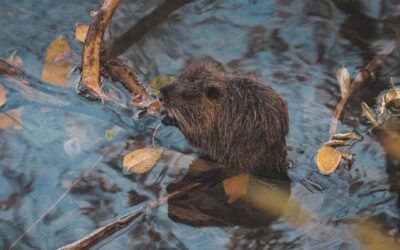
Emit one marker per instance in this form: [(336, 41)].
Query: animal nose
[(162, 95), (164, 92)]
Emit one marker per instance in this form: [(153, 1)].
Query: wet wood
[(104, 232), (91, 52), (119, 72), (372, 67)]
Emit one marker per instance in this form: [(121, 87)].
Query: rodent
[(237, 120)]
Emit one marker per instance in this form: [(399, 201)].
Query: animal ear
[(213, 93)]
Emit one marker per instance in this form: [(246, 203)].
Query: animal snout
[(165, 92)]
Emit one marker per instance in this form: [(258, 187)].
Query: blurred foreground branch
[(103, 232)]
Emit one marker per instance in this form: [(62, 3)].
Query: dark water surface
[(295, 46)]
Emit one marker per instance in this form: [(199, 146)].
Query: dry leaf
[(81, 31), (343, 78), (328, 159), (142, 160), (369, 113), (236, 187), (15, 60), (346, 136), (347, 157), (337, 143), (3, 95), (157, 83), (392, 97), (57, 63), (12, 118)]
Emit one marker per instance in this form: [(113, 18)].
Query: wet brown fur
[(238, 120)]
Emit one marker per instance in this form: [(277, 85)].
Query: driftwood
[(91, 52), (372, 67), (103, 232)]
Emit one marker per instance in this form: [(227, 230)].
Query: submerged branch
[(103, 232)]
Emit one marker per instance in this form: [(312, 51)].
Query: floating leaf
[(3, 95), (347, 157), (343, 78), (142, 160), (15, 60), (392, 98), (57, 63), (328, 159), (81, 31), (346, 136), (236, 187), (157, 83), (369, 113), (337, 143), (110, 134), (11, 119)]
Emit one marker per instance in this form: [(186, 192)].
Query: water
[(295, 46)]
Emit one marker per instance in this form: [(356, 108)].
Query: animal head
[(193, 100)]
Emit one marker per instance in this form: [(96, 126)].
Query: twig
[(27, 231), (103, 232), (359, 80), (153, 138), (119, 72), (91, 51)]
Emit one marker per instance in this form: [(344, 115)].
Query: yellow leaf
[(57, 63), (157, 83), (236, 187), (328, 159), (12, 118), (3, 95), (81, 30), (368, 113), (142, 160), (392, 97)]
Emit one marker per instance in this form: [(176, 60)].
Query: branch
[(119, 72), (103, 232), (91, 51), (372, 67)]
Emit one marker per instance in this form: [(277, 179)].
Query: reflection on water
[(296, 46)]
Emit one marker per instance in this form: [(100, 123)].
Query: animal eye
[(213, 93)]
